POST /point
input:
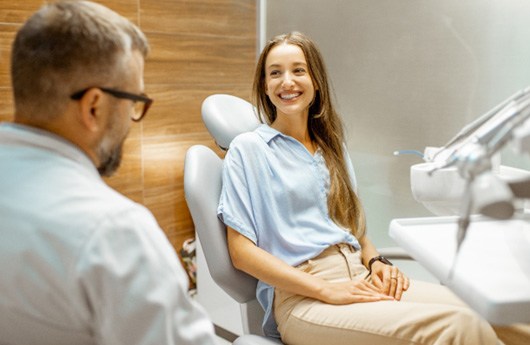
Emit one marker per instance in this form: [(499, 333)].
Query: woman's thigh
[(424, 292), (386, 322), (427, 314)]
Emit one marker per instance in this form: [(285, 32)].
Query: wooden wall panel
[(219, 18), (198, 60), (18, 11), (12, 15), (176, 110), (7, 34), (6, 108), (198, 48)]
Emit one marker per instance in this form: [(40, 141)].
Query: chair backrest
[(225, 116), (202, 186)]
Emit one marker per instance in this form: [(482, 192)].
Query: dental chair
[(225, 117)]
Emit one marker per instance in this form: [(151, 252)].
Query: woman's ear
[(91, 109)]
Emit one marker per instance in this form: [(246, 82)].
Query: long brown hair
[(325, 128)]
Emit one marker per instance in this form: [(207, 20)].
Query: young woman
[(295, 223)]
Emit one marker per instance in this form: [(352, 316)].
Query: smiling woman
[(295, 223), (300, 67)]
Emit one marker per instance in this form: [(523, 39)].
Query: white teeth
[(289, 96)]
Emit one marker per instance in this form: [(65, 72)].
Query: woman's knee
[(466, 327)]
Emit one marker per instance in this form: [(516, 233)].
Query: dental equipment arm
[(473, 156), (482, 120), (485, 191)]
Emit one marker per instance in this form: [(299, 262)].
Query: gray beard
[(110, 161)]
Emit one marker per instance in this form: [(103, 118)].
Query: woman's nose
[(287, 79)]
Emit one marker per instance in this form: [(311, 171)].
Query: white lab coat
[(79, 262)]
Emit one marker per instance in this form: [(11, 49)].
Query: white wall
[(409, 74)]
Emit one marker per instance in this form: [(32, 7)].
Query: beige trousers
[(427, 313)]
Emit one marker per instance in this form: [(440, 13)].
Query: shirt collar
[(14, 133), (267, 132)]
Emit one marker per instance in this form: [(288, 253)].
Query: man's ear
[(91, 109)]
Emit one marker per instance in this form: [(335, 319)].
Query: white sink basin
[(442, 192)]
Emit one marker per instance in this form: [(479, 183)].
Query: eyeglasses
[(141, 102)]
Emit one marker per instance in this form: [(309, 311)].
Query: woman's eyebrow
[(277, 65)]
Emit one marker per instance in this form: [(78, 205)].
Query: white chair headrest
[(227, 116)]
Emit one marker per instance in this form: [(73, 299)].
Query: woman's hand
[(253, 260), (389, 279), (351, 292)]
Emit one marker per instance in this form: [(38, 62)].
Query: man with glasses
[(80, 263)]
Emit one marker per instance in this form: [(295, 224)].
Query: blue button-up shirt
[(275, 193)]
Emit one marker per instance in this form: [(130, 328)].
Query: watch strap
[(378, 258)]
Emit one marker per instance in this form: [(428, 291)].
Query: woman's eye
[(299, 71), (274, 73)]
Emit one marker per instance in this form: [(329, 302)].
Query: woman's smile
[(289, 95)]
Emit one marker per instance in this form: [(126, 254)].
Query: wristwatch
[(377, 258)]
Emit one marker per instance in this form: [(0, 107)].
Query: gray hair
[(68, 46)]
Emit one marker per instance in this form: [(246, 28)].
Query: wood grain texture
[(219, 18), (12, 15), (198, 60), (198, 48), (16, 12), (7, 35), (176, 109), (6, 110)]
